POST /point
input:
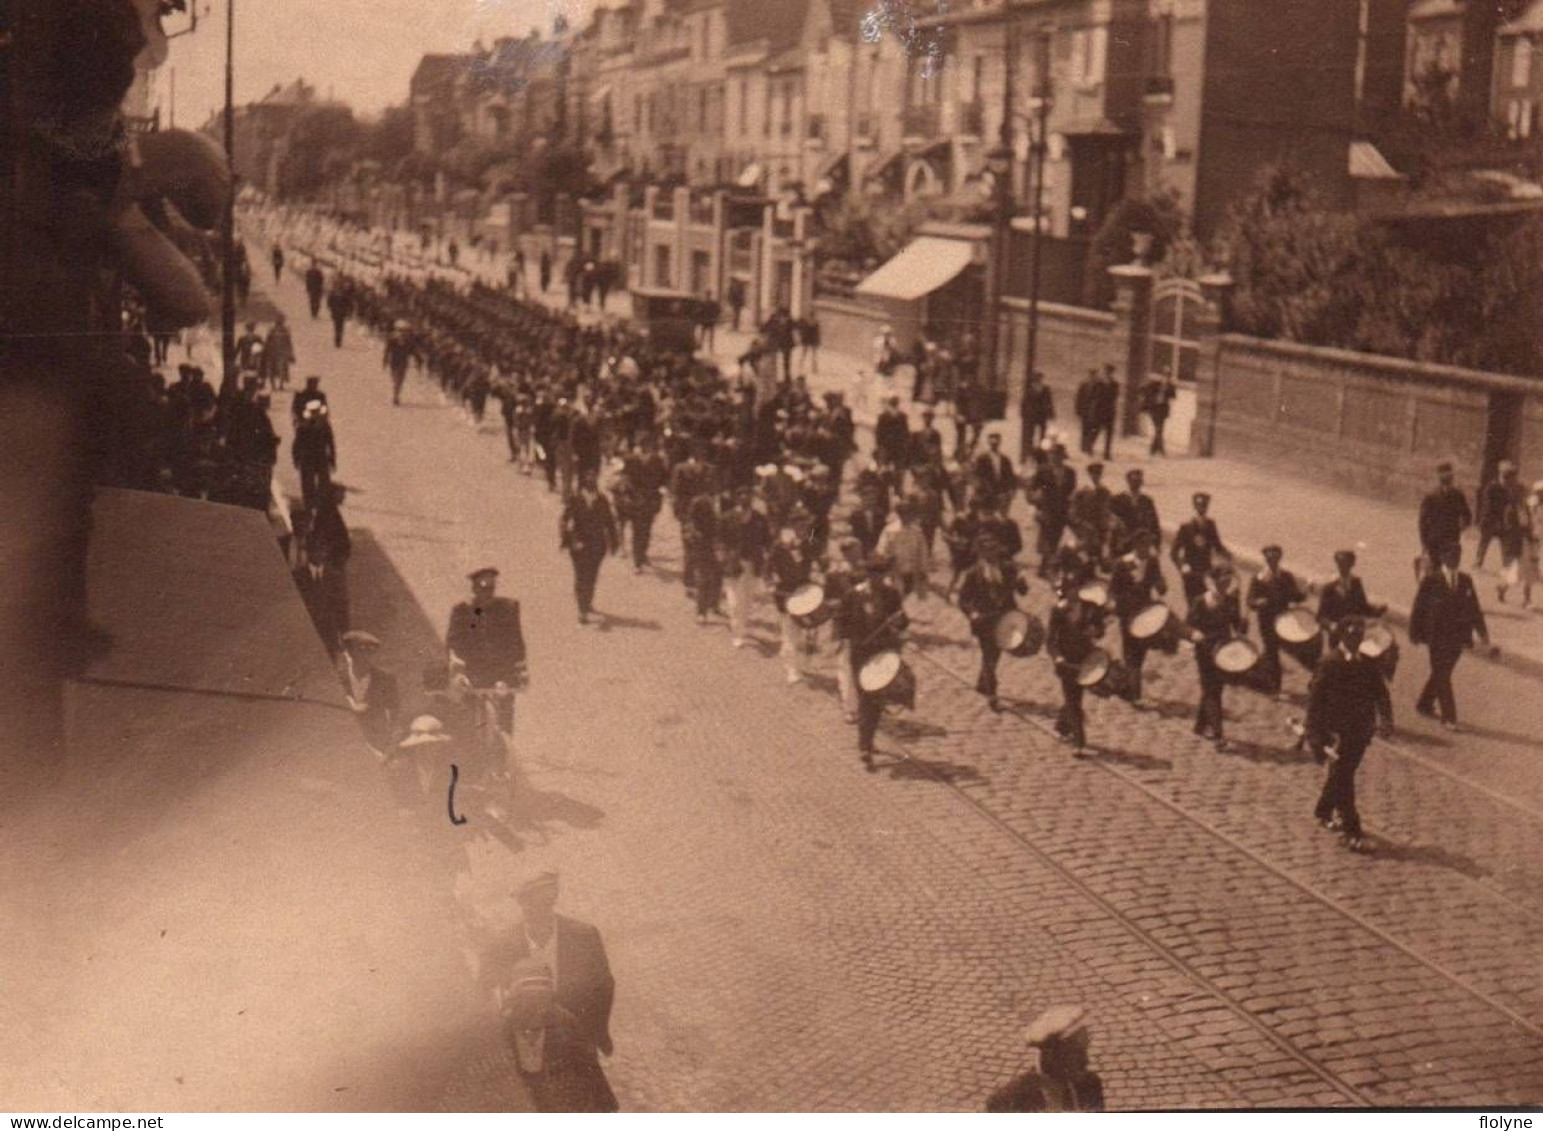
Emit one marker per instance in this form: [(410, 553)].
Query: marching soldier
[(790, 565), (745, 537), (1271, 592), (871, 620), (1196, 547), (1050, 493), (1133, 510), (1345, 596), (1090, 514), (1348, 696), (1069, 640), (397, 358), (646, 475), (588, 533), (988, 591), (1213, 620), (1137, 583), (841, 577), (702, 562)]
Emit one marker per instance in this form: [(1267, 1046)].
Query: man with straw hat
[(1062, 1081)]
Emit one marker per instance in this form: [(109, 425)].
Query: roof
[(294, 94), (1368, 163), (926, 264), (436, 71), (1530, 22), (1434, 9), (780, 24)]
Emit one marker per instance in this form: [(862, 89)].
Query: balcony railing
[(972, 119), (920, 121)]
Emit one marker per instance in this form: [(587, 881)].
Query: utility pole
[(1041, 143), (228, 229), (1000, 162)]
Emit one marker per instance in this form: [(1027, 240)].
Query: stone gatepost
[(1209, 327), (1131, 345)]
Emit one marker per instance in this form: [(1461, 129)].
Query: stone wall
[(1372, 425)]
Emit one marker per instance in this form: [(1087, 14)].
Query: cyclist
[(486, 646)]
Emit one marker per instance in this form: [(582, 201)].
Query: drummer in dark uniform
[(1069, 640), (1348, 697), (485, 641), (1196, 547), (1214, 619), (1136, 584), (871, 620), (1133, 511), (1345, 596), (1271, 592), (987, 593), (789, 565), (842, 575), (1061, 1081)]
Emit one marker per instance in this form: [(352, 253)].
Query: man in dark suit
[(1134, 511), (1086, 405), (1196, 547), (892, 437), (1105, 411), (1050, 493), (1446, 618), (1348, 696), (1444, 515), (588, 533), (1271, 592), (992, 472), (574, 955)]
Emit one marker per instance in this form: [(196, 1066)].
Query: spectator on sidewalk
[(248, 346), (544, 268), (736, 299), (1106, 410), (278, 354), (1038, 409), (1444, 515), (808, 329), (1157, 396), (314, 451), (1505, 518), (1085, 406), (892, 440), (278, 262), (707, 321), (371, 690), (340, 304), (1446, 618), (778, 331)]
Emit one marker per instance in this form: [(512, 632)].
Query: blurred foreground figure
[(87, 216), (1062, 1082)]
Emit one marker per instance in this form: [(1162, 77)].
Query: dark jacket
[(891, 437), (983, 598), (1197, 544), (1444, 515), (1446, 616), (1347, 696), (994, 474), (1026, 1094), (588, 527), (585, 987), (1135, 512), (872, 620), (1339, 600), (489, 638)]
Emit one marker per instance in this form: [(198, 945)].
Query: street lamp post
[(1041, 143), (228, 228), (999, 164)]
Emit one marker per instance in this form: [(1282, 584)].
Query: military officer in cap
[(1196, 547), (1074, 625), (371, 690), (1132, 511), (1135, 584), (486, 644), (1213, 620), (1271, 592), (1061, 1081)]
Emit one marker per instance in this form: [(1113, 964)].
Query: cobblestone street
[(789, 932)]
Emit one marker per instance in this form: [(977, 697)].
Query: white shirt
[(545, 954)]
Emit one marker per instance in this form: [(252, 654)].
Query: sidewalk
[(1253, 505)]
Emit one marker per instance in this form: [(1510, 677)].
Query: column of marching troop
[(754, 484)]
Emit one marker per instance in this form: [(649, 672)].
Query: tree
[(321, 140), (1159, 216), (388, 140)]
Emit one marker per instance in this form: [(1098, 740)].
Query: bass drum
[(1378, 644), (1158, 627), (1103, 675), (890, 678), (1019, 634), (808, 607), (1301, 638), (1235, 659)]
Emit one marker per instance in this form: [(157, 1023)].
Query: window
[(744, 106), (637, 113), (787, 109), (662, 265), (1162, 45), (702, 110), (1098, 51), (977, 77), (766, 109), (1521, 62)]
